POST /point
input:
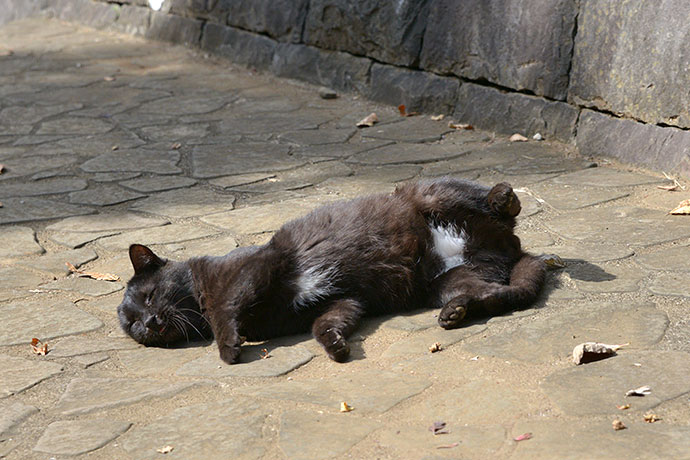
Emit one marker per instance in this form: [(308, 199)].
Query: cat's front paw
[(503, 200), (335, 345), (452, 313), (229, 353)]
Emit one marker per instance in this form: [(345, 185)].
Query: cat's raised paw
[(503, 200)]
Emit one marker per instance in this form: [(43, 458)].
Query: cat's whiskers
[(186, 321)]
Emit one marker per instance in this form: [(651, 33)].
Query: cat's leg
[(225, 331), (334, 325), (503, 200), (462, 293)]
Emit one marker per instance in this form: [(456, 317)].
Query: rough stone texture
[(414, 130), (13, 414), (20, 374), (607, 382), (134, 161), (387, 31), (240, 47), (282, 19), (106, 222), (157, 362), (318, 137), (587, 438), (183, 31), (55, 262), (299, 178), (76, 437), (158, 184), (660, 147), (338, 70), (604, 177), (674, 257), (133, 20), (17, 278), (419, 343), (82, 285), (585, 252), (44, 187), (605, 278), (19, 242), (554, 337), (367, 390), (283, 360), (201, 432), (174, 233), (523, 45), (565, 197), (106, 195), (306, 436), (211, 161), (418, 91), (86, 361), (619, 225), (266, 218), (675, 284), (84, 395), (76, 346), (43, 318), (606, 71), (185, 203), (16, 210)]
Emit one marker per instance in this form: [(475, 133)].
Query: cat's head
[(159, 306)]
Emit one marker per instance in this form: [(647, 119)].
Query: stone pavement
[(108, 140)]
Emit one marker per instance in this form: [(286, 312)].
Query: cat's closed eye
[(149, 298)]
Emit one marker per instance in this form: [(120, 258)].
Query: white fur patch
[(314, 283), (449, 245)]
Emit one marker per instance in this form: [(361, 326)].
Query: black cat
[(444, 243)]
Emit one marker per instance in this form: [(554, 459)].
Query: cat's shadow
[(579, 269)]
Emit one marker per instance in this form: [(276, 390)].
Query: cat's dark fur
[(445, 244)]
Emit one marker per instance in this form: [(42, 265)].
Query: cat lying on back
[(445, 244)]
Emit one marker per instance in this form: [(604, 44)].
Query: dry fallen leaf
[(368, 121), (668, 188), (623, 407), (683, 208), (94, 275), (401, 109), (618, 425), (438, 428), (435, 347), (109, 78), (448, 446), (39, 347), (523, 437), (176, 146), (165, 450), (518, 138), (651, 418), (438, 117), (453, 125), (475, 358), (594, 351), (345, 408), (642, 391), (265, 354), (115, 147)]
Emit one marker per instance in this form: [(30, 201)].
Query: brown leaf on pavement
[(165, 449), (176, 146), (623, 407), (344, 407), (401, 109), (523, 437), (668, 188), (448, 446), (109, 78), (39, 347), (94, 275), (618, 425), (368, 121), (683, 208), (651, 418), (435, 347), (438, 117), (438, 428)]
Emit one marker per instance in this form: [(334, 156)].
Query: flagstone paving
[(194, 157)]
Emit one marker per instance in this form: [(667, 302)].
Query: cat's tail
[(526, 281)]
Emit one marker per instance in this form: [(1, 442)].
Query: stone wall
[(611, 77)]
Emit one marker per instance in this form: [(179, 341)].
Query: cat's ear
[(143, 259)]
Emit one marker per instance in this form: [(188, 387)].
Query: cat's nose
[(154, 323)]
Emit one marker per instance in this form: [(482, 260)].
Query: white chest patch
[(449, 245), (314, 283)]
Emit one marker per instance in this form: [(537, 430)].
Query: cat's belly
[(449, 244)]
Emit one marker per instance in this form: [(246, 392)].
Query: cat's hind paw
[(452, 313), (335, 345)]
